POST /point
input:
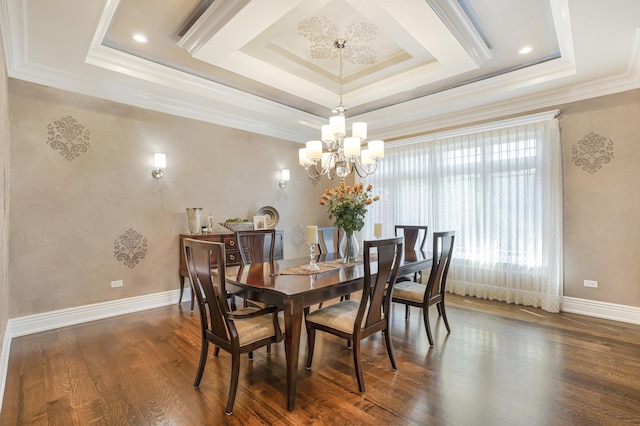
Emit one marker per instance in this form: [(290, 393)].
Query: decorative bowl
[(238, 226)]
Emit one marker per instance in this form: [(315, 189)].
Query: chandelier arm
[(312, 175), (360, 169), (365, 170)]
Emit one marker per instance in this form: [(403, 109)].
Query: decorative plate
[(273, 217)]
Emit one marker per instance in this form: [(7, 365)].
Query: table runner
[(329, 265)]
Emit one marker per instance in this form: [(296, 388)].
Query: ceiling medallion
[(322, 33)]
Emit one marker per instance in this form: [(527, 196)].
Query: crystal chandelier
[(341, 155)]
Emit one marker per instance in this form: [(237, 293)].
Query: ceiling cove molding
[(126, 64), (484, 127), (562, 24), (478, 94), (450, 12), (495, 110), (210, 22), (215, 113)]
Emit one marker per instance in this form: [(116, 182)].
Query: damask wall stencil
[(592, 151), (130, 248), (298, 237), (69, 137), (322, 32)]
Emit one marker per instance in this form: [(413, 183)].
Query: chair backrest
[(256, 246), (388, 253), (412, 234), (328, 239), (210, 290), (442, 253)]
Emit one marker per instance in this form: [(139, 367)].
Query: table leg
[(293, 326)]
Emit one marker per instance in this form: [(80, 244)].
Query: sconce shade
[(285, 176), (159, 160), (159, 163)]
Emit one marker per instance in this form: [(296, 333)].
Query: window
[(500, 189)]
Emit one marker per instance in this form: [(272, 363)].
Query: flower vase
[(349, 247), (193, 219)]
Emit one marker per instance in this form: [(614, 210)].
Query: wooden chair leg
[(250, 356), (406, 312), (387, 340), (203, 361), (311, 341), (233, 386), (444, 316), (216, 351), (425, 314), (358, 365)]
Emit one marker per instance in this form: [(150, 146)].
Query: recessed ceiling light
[(140, 38), (525, 50)]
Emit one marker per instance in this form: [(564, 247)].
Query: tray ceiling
[(272, 68)]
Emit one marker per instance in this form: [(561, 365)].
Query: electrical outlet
[(118, 283), (590, 283)]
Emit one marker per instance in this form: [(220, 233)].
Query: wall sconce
[(284, 178), (159, 163)]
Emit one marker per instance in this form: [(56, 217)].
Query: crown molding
[(450, 12), (209, 23)]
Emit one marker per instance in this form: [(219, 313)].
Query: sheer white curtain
[(500, 189)]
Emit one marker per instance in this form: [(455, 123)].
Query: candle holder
[(312, 266)]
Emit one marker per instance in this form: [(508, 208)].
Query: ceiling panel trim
[(210, 22), (450, 12)]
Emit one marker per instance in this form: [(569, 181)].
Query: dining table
[(291, 286)]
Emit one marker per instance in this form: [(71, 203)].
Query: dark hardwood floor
[(501, 365)]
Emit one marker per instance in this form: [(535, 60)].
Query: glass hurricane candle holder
[(312, 266)]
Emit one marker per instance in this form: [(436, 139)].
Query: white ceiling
[(270, 67)]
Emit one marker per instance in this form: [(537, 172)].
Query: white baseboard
[(51, 320), (593, 308)]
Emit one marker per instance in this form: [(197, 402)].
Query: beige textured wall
[(4, 198), (67, 214), (602, 207)]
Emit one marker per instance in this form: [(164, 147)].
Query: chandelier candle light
[(343, 154)]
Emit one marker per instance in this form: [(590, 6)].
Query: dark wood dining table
[(265, 282)]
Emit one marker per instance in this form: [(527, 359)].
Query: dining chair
[(411, 293), (415, 238), (256, 246), (235, 332), (328, 239), (355, 320)]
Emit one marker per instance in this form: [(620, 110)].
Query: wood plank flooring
[(501, 365)]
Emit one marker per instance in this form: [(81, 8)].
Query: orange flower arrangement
[(348, 205)]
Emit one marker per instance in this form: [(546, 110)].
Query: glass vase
[(193, 219), (349, 247)]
